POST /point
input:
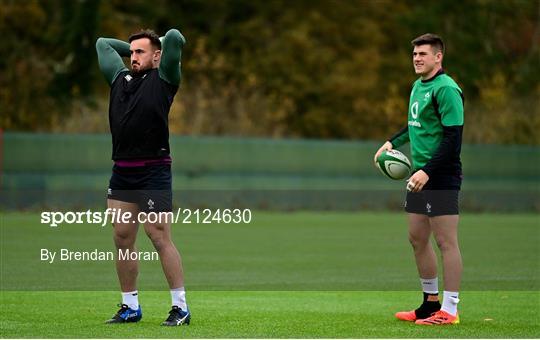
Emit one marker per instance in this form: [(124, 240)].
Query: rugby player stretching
[(139, 105)]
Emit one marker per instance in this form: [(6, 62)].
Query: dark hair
[(147, 33), (429, 39)]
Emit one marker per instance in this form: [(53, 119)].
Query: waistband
[(132, 163)]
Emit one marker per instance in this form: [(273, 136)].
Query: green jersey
[(434, 104)]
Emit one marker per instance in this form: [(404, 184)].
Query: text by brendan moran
[(97, 255)]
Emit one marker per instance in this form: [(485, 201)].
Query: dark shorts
[(148, 186), (433, 202)]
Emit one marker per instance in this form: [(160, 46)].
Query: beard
[(140, 68)]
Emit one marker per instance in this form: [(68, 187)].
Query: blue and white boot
[(177, 317), (126, 314)]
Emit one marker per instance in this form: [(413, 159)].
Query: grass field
[(267, 314), (283, 275)]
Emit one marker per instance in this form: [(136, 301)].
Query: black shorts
[(433, 202), (148, 186)]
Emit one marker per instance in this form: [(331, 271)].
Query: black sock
[(427, 295), (427, 307)]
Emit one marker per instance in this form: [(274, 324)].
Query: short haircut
[(149, 34), (430, 39)]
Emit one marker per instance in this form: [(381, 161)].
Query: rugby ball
[(394, 164)]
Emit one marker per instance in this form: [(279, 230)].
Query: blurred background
[(295, 95), (315, 69)]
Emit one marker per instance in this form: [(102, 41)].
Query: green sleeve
[(110, 53), (450, 105), (171, 53)]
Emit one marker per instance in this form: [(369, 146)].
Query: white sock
[(430, 286), (450, 301), (178, 297), (131, 299)]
